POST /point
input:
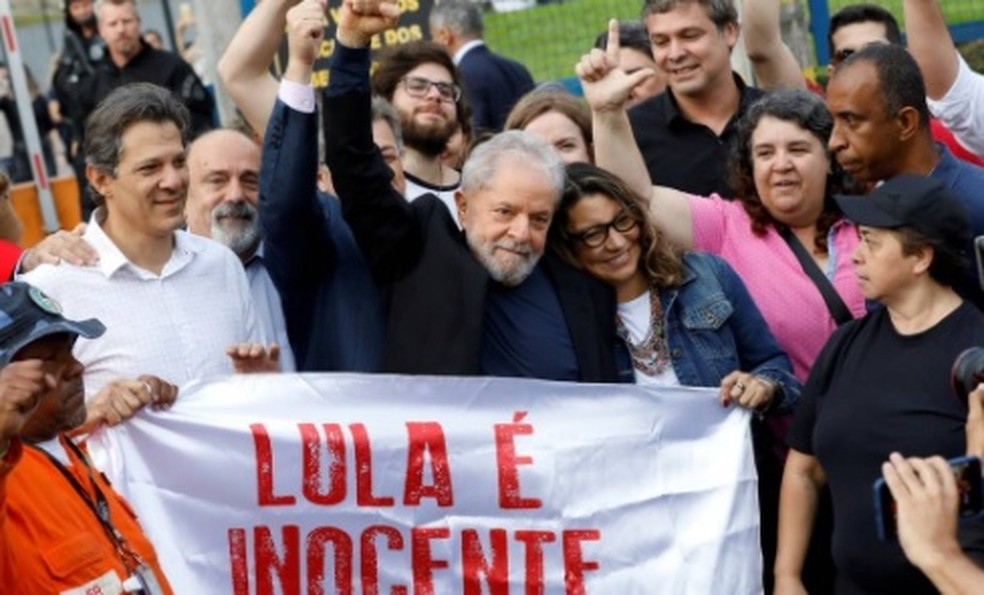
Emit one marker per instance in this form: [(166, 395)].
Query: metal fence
[(550, 37), (965, 18)]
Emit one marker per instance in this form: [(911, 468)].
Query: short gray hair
[(383, 110), (464, 17), (483, 163)]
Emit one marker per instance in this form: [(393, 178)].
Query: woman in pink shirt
[(786, 181)]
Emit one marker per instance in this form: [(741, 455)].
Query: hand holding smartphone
[(966, 472)]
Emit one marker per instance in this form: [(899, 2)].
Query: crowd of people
[(808, 253)]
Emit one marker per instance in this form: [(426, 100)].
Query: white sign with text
[(328, 483)]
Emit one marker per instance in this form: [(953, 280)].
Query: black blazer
[(493, 85), (436, 288)]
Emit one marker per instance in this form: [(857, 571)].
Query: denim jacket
[(714, 328)]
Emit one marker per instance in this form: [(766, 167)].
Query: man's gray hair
[(522, 146), (383, 110), (464, 17)]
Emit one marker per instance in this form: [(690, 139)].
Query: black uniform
[(153, 66)]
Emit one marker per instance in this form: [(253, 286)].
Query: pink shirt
[(790, 302)]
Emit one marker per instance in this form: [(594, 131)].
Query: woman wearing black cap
[(882, 385)]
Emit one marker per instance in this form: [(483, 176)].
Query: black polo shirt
[(682, 154)]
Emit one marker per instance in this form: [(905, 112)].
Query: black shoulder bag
[(838, 309)]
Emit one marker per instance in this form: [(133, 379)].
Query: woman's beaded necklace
[(652, 355)]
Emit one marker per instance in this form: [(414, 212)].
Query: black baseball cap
[(27, 314), (909, 200)]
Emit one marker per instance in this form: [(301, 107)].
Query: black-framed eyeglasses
[(418, 87), (597, 235), (841, 55)]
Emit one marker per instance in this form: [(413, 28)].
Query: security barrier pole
[(15, 64)]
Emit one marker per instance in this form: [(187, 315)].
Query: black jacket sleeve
[(388, 231)]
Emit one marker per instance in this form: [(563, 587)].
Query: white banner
[(386, 484)]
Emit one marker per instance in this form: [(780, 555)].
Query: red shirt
[(9, 256), (942, 134)]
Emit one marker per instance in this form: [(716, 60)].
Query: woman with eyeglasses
[(783, 233), (685, 317)]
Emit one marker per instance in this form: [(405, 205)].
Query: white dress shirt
[(269, 308), (175, 325), (464, 49)]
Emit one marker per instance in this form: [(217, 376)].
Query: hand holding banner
[(367, 484)]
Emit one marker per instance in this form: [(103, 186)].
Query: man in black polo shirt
[(685, 133)]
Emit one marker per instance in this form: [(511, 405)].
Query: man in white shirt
[(172, 302), (223, 192), (954, 92)]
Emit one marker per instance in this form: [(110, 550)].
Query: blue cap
[(27, 314)]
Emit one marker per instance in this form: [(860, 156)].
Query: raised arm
[(245, 66), (773, 61), (385, 225), (296, 245), (22, 385), (607, 88), (954, 91), (929, 43)]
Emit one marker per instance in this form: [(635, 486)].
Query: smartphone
[(967, 472)]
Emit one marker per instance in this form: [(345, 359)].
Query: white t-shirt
[(417, 188), (636, 316), (961, 110)]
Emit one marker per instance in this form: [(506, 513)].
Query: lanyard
[(99, 506)]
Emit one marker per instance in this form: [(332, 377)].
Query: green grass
[(549, 39), (955, 11), (973, 52)]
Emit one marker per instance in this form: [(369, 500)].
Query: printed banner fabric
[(339, 483)]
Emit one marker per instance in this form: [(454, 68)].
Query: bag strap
[(836, 306)]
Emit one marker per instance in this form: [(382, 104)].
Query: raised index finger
[(611, 50)]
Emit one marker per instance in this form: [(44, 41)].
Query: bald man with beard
[(223, 192)]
